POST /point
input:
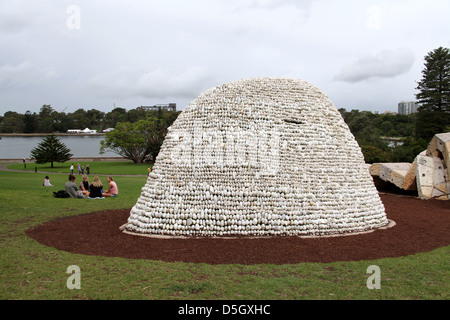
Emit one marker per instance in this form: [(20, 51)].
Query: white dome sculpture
[(258, 157)]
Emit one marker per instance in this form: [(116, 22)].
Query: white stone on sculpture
[(258, 157)]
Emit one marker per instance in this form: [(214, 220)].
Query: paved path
[(4, 167)]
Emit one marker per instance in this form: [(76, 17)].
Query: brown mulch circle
[(421, 226)]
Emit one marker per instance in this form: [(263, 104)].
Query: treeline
[(388, 137), (385, 137), (49, 120)]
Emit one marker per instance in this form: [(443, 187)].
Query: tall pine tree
[(434, 95), (51, 150)]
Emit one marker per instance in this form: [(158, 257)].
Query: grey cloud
[(278, 3), (22, 16), (12, 24), (11, 76), (162, 83), (158, 84), (386, 64), (145, 52), (303, 7), (23, 74)]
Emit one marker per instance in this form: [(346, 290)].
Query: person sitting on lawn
[(84, 185), (96, 188), (47, 182), (112, 191), (72, 189)]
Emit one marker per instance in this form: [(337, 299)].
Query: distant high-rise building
[(407, 107)]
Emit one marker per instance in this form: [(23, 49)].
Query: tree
[(80, 119), (386, 127), (434, 94), (61, 122), (45, 124), (95, 119), (51, 149), (115, 116), (30, 122), (409, 150), (156, 137), (373, 154), (135, 115), (12, 122), (136, 141)]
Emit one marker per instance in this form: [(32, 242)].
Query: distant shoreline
[(93, 159), (17, 146), (47, 134)]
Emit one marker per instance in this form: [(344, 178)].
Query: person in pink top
[(112, 191)]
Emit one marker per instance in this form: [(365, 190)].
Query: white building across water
[(87, 130)]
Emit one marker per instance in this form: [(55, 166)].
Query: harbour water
[(17, 147)]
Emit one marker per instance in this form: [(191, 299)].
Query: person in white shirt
[(47, 182)]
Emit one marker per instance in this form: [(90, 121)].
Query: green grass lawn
[(30, 270), (97, 167)]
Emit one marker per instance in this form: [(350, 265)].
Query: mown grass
[(30, 270), (96, 167)]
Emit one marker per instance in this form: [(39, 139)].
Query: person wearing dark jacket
[(96, 188), (84, 185)]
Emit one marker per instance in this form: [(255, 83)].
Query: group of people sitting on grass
[(94, 190)]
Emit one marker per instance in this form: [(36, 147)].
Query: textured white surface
[(259, 157)]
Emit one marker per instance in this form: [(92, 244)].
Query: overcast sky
[(98, 54)]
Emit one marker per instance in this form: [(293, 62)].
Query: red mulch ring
[(421, 226)]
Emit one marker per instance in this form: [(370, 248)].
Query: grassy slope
[(30, 270), (104, 167)]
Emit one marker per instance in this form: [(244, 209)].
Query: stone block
[(394, 172), (441, 145), (446, 155), (441, 140), (425, 176), (375, 169), (439, 194), (425, 192), (441, 187), (432, 150), (398, 177), (432, 147), (409, 183), (448, 189), (425, 161), (439, 171)]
